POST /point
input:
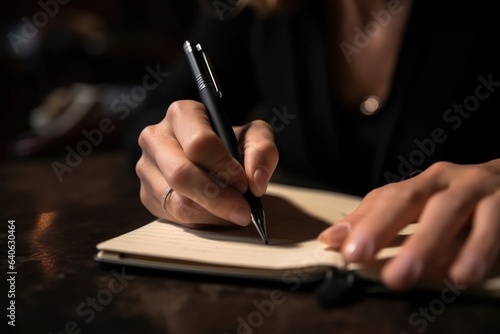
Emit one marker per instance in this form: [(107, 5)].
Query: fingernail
[(470, 270), (261, 178), (358, 249), (334, 236), (240, 216), (405, 270), (240, 186)]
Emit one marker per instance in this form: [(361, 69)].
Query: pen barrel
[(210, 95), (254, 201), (220, 122)]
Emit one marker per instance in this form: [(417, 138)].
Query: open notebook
[(295, 217)]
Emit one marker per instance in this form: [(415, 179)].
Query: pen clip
[(210, 71)]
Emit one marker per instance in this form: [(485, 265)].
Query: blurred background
[(67, 65)]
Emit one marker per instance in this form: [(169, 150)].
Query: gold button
[(370, 105)]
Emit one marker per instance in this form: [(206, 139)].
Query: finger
[(178, 208), (395, 206), (192, 181), (482, 247), (260, 154), (334, 236), (201, 145), (444, 215)]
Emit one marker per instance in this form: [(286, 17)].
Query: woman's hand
[(446, 200), (183, 152)]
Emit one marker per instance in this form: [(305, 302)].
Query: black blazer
[(443, 105)]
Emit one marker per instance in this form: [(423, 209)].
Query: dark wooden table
[(59, 288)]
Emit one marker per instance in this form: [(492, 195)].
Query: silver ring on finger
[(165, 195)]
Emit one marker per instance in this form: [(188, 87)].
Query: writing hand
[(183, 152)]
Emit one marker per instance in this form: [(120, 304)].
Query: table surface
[(59, 288)]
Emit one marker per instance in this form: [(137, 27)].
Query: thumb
[(260, 154)]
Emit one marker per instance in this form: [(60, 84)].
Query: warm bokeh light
[(40, 249), (44, 220)]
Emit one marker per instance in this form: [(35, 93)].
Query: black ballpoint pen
[(210, 95)]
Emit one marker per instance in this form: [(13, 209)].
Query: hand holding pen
[(188, 175), (211, 96)]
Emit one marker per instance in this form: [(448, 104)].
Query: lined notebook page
[(295, 217), (170, 241)]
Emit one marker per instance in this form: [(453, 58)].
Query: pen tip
[(259, 220)]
